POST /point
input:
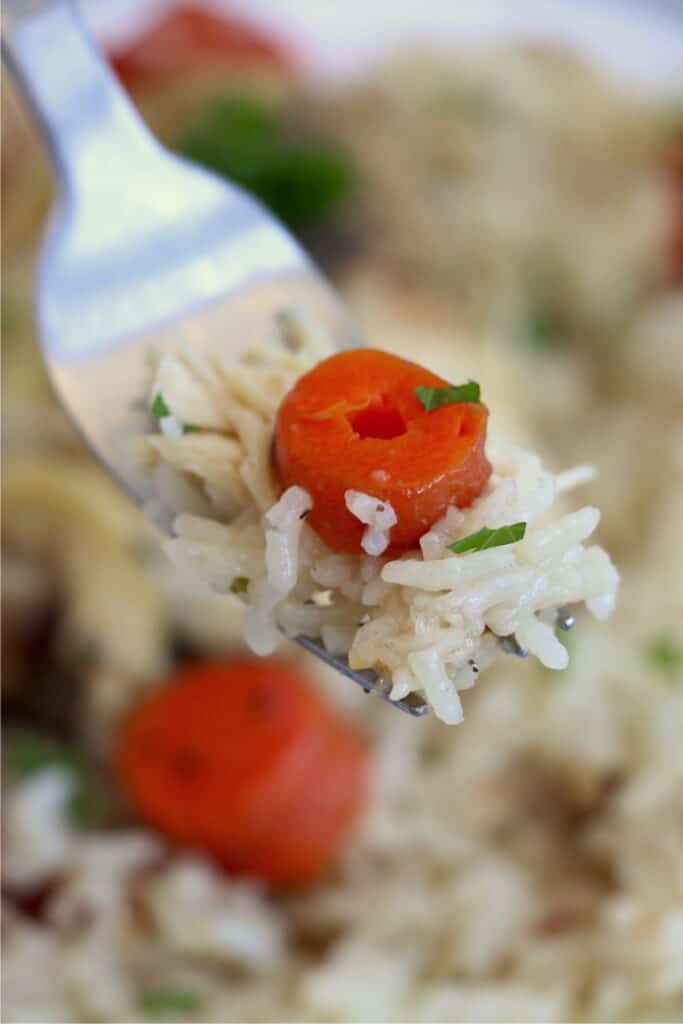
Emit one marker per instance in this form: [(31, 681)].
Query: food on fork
[(348, 497), (356, 424), (243, 760)]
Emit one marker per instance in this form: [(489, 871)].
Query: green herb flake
[(541, 327), (436, 398), (30, 753), (159, 407), (304, 180), (542, 330), (485, 538), (665, 655), (190, 428), (162, 1002), (239, 584)]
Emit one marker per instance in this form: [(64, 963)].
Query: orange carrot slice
[(190, 37), (243, 760), (354, 422)]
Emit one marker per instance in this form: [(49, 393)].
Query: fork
[(143, 250)]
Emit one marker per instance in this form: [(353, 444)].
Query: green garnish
[(161, 410), (666, 656), (541, 326), (239, 584), (435, 398), (29, 753), (485, 538), (244, 139), (542, 329), (160, 1002), (159, 407)]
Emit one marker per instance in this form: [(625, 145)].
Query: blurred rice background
[(511, 212)]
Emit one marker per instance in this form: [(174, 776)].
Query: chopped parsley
[(541, 325), (302, 179), (666, 656), (163, 1002), (159, 407), (29, 753), (542, 329), (485, 538), (161, 411), (239, 584), (435, 398)]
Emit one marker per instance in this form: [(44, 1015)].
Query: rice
[(378, 516), (466, 896), (284, 524), (427, 622)]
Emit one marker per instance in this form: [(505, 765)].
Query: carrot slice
[(243, 760), (354, 422), (190, 37)]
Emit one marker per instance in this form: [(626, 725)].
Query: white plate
[(641, 41)]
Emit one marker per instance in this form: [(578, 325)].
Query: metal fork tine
[(566, 619), (369, 681), (510, 645)]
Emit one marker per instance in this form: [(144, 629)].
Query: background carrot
[(242, 759), (191, 36), (354, 422)]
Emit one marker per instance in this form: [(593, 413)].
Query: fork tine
[(566, 619), (369, 681)]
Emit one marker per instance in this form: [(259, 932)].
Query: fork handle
[(86, 118)]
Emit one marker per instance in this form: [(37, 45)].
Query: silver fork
[(143, 250), (146, 250)]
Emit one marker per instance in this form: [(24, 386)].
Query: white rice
[(379, 517), (284, 524), (171, 426), (427, 622)]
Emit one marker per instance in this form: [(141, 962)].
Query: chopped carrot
[(354, 422), (190, 37), (243, 760)]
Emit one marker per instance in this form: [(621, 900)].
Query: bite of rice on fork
[(446, 554)]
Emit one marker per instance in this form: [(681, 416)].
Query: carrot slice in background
[(243, 760), (192, 37), (354, 422)]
